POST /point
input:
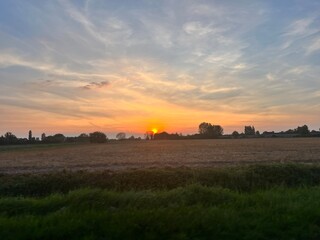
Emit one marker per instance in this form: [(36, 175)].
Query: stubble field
[(148, 154)]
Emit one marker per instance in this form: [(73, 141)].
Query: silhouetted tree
[(303, 130), (249, 130), (59, 137), (2, 139), (217, 130), (207, 130), (131, 138), (290, 131), (235, 134), (9, 138), (83, 137), (9, 135), (121, 136), (166, 136), (162, 136), (98, 137)]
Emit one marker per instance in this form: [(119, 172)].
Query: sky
[(131, 66)]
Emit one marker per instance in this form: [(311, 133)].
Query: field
[(196, 189), (146, 154)]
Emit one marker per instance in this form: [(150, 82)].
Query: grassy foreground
[(254, 202)]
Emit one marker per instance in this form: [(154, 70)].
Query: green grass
[(252, 202), (247, 178), (192, 212)]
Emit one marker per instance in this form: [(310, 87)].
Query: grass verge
[(192, 212), (253, 202), (247, 178)]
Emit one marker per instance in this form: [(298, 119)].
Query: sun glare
[(154, 130)]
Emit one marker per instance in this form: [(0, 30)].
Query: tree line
[(211, 131), (205, 131), (95, 137)]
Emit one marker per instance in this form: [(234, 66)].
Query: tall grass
[(192, 212), (252, 202), (248, 178)]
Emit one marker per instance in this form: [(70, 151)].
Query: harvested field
[(146, 154)]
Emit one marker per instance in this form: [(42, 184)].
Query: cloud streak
[(94, 85)]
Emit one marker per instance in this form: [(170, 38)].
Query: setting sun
[(154, 130)]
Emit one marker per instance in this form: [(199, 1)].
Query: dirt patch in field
[(146, 154)]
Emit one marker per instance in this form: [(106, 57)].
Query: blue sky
[(78, 66)]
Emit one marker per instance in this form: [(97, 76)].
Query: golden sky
[(82, 66)]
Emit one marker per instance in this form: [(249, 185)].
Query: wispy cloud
[(314, 47), (79, 17), (163, 60), (197, 29), (301, 27)]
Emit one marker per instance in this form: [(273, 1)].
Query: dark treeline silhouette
[(167, 136), (205, 131), (95, 137), (210, 131), (10, 138)]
